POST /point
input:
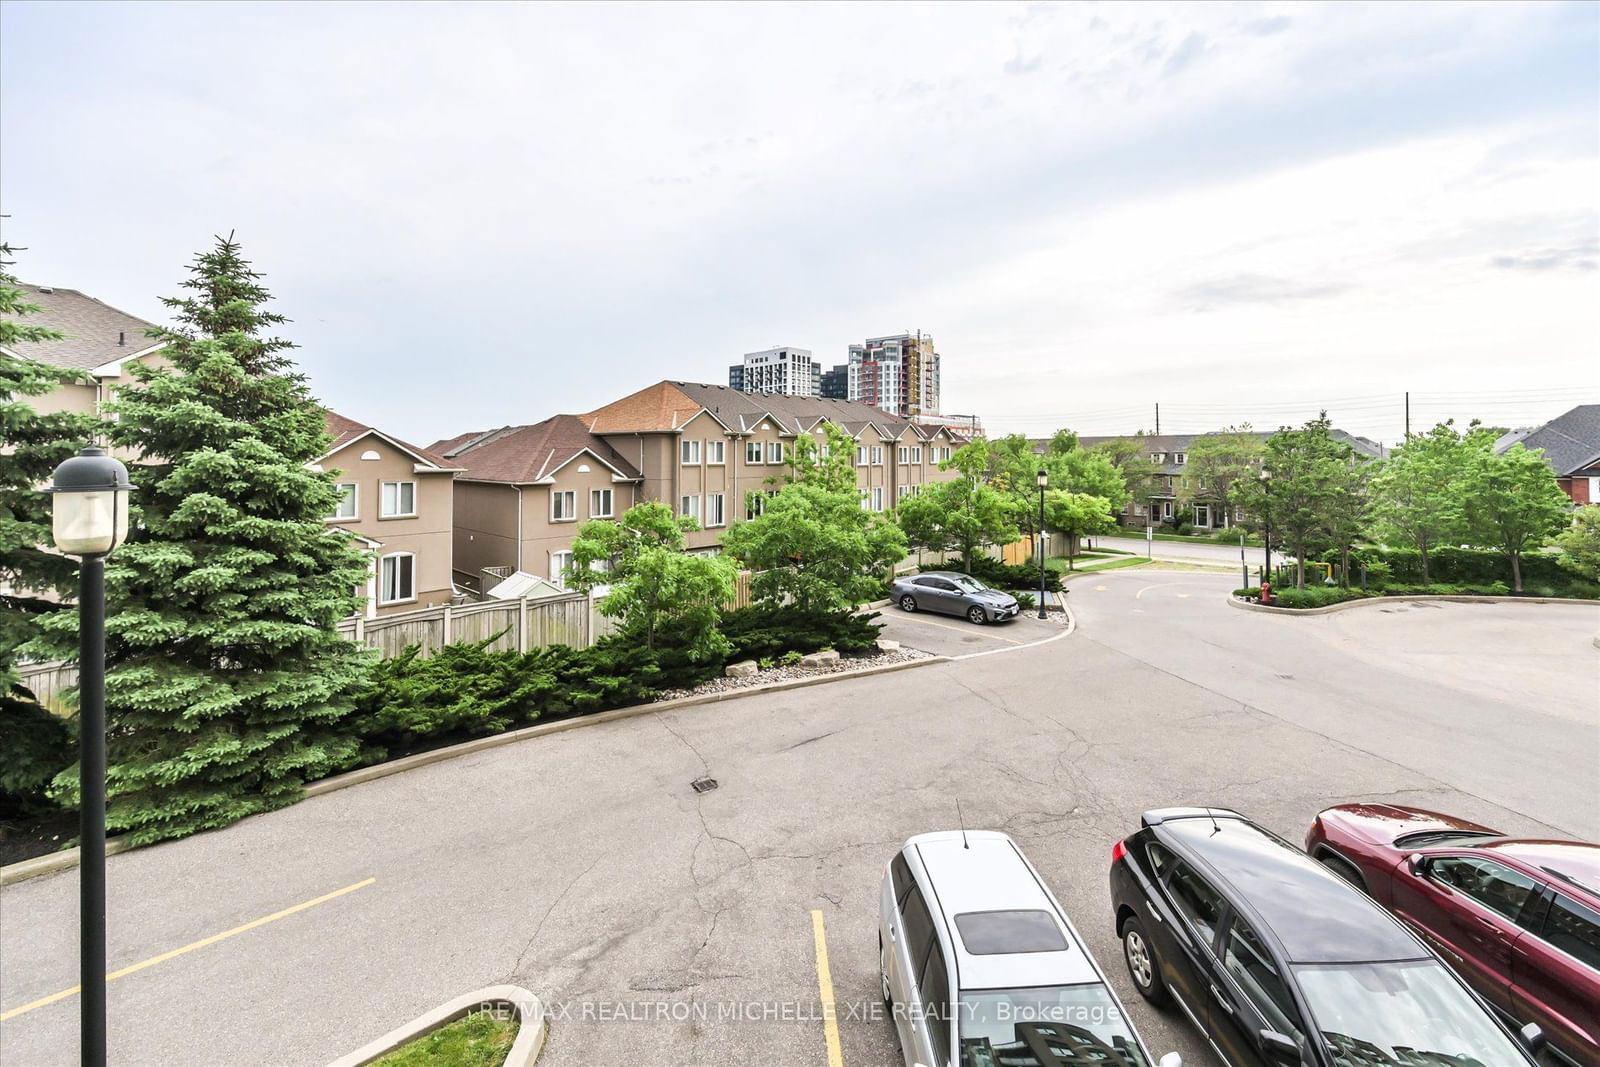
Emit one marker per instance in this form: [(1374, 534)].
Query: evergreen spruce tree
[(228, 686), (33, 580)]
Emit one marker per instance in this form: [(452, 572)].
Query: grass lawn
[(1114, 565), (477, 1040)]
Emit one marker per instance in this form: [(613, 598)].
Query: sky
[(478, 215)]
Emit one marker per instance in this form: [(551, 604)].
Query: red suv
[(1518, 919)]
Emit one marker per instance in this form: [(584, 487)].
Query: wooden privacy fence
[(522, 625)]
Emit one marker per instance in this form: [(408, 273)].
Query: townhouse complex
[(712, 453)]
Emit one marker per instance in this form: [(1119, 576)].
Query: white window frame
[(1180, 458), (902, 455), (689, 452), (861, 455), (383, 492), (558, 574), (716, 452), (383, 580), (916, 453), (611, 504), (687, 510), (877, 498), (355, 502), (755, 504), (774, 452), (877, 455), (716, 506), (570, 512), (752, 453)]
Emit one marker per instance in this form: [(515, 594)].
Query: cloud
[(1266, 27), (1192, 48), (1575, 257), (1254, 289), (1017, 65)]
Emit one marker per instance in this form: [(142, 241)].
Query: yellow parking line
[(961, 629), (830, 1020), (202, 943)]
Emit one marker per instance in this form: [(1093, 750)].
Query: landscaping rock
[(886, 645), (844, 665), (826, 658), (743, 669)]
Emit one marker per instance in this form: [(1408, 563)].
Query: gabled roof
[(1571, 441), (95, 332), (658, 407), (1183, 442), (346, 432), (521, 455)]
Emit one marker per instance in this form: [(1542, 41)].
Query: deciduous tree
[(1510, 500), (1297, 498), (1416, 495), (1077, 515), (1218, 463), (1580, 543)]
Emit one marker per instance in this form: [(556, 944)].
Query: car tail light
[(1118, 851)]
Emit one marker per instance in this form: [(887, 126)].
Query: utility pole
[(1408, 415), (1158, 418)]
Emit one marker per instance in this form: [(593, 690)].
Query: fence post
[(445, 628), (522, 626), (361, 629)]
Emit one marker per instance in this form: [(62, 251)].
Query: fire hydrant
[(1266, 592)]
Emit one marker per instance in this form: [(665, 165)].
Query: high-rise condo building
[(899, 374), (787, 371)]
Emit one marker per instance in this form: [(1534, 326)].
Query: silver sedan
[(953, 593)]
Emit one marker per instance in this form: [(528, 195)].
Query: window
[(398, 578), (877, 456), (1160, 858), (1574, 929), (1196, 901), (901, 492), (1180, 458), (559, 562), (866, 499), (689, 452), (1253, 971), (346, 507), (990, 933), (399, 500), (1158, 457), (861, 455), (774, 451), (916, 454), (716, 512), (752, 451), (599, 503), (716, 451), (689, 506), (877, 498), (917, 927), (1491, 884), (900, 873), (755, 503), (902, 454), (935, 990), (563, 505)]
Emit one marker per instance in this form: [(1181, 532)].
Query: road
[(1195, 552), (669, 927)]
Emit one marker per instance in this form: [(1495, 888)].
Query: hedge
[(1462, 565), (1002, 575)]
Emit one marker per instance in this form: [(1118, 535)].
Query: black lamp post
[(1044, 480), (1266, 525), (89, 518)]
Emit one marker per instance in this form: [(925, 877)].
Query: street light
[(89, 518), (1266, 524), (1044, 480)]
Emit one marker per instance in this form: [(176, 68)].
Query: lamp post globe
[(89, 518), (89, 515)]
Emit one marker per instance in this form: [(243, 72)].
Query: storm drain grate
[(703, 785)]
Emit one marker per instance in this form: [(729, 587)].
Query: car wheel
[(1143, 965), (908, 603), (976, 616)]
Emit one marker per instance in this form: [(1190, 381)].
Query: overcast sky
[(478, 215)]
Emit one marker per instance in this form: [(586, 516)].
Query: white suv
[(981, 967)]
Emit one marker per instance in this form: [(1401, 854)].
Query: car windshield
[(1045, 1026), (1410, 1013), (969, 584)]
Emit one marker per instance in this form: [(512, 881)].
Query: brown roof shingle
[(524, 454), (344, 430), (95, 332)]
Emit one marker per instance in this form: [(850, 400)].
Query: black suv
[(1278, 961)]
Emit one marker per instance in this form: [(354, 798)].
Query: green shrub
[(1007, 576), (1026, 601), (1313, 596), (1249, 592), (37, 746), (791, 657), (763, 631), (1462, 566)]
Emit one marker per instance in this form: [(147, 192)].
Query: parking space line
[(961, 629), (830, 1019), (202, 943)]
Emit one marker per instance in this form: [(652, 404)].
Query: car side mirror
[(1416, 863), (1171, 1059), (1280, 1049), (1533, 1036)]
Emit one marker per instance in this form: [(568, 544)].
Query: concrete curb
[(1328, 609), (526, 1048), (68, 858)]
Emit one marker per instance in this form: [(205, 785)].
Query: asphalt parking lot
[(948, 635), (665, 926)]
